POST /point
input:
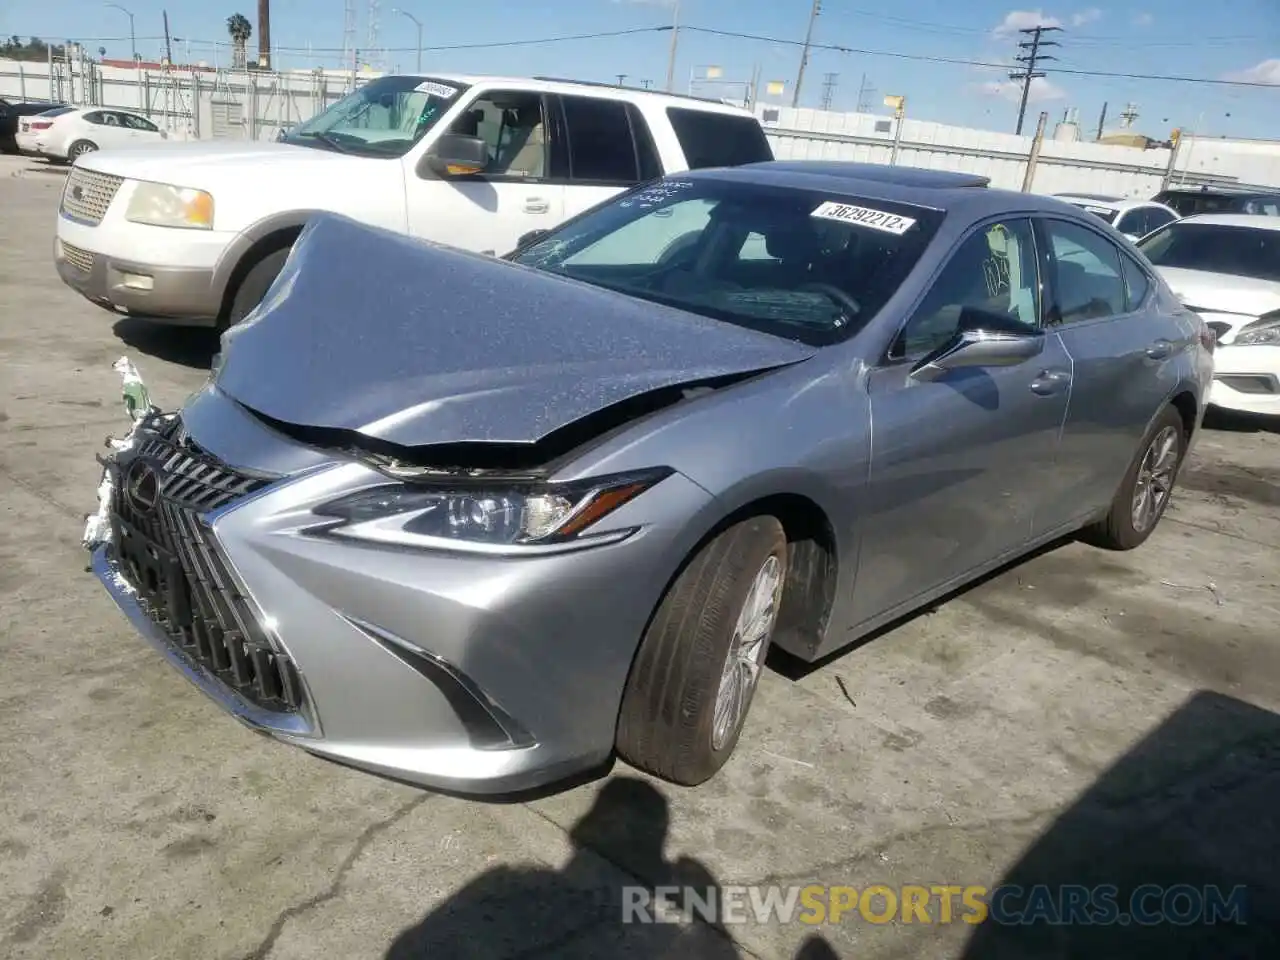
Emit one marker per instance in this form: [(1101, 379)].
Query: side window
[(1157, 218), (1136, 283), (991, 276), (600, 147), (646, 150), (718, 139), (756, 247), (111, 119), (1088, 283), (138, 123), (514, 128), (1132, 222), (95, 118)]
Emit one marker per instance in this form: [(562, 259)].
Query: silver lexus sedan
[(482, 524)]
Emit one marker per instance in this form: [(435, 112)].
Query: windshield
[(384, 118), (795, 263), (56, 112), (1216, 248)]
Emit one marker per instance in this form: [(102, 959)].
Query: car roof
[(556, 85), (1091, 197), (1257, 221), (1221, 190), (928, 189)]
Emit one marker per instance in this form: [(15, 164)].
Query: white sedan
[(65, 133), (1226, 267), (1134, 218)]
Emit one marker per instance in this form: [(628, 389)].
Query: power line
[(1031, 58)]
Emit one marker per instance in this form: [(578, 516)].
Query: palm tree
[(241, 30)]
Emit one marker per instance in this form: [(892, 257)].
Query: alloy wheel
[(1154, 481), (745, 659)]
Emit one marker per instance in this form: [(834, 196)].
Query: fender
[(250, 235)]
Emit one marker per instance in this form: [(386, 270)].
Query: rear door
[(960, 464), (1123, 352), (605, 148)]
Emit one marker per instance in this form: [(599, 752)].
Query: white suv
[(195, 233)]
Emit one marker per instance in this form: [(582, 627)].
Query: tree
[(241, 30), (32, 49)]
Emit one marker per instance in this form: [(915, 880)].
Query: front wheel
[(699, 662), (1145, 491), (255, 285)]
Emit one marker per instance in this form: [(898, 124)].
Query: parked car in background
[(478, 524), (31, 128), (74, 132), (1226, 267), (1133, 218), (11, 112), (474, 162), (1189, 201)]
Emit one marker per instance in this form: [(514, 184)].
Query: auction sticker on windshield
[(864, 217), (437, 89)]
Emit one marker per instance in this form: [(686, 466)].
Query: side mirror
[(454, 155), (979, 348)]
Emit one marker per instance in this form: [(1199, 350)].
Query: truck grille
[(87, 195), (82, 260), (169, 555)]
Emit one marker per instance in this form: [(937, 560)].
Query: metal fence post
[(1034, 156)]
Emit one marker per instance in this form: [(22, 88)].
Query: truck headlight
[(164, 205), (501, 516), (1263, 331)]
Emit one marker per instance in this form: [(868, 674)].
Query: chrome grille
[(82, 260), (88, 194), (184, 581)]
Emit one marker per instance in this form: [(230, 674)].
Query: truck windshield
[(791, 262), (384, 118)]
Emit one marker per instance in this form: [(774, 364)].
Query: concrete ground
[(1085, 717)]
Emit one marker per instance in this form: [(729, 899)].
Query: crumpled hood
[(195, 163), (415, 343)]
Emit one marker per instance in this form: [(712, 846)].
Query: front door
[(607, 148), (1124, 353), (488, 212), (960, 464)]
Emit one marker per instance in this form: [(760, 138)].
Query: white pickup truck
[(195, 233)]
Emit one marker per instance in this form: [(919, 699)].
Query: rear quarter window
[(717, 139)]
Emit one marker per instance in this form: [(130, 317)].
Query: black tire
[(1117, 530), (255, 285), (79, 149), (667, 719)]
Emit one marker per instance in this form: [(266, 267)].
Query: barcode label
[(864, 217)]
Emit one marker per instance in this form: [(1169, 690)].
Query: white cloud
[(1041, 90), (1268, 71), (1091, 15), (1143, 19), (1016, 20)]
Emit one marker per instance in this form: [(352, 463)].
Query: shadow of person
[(590, 908), (817, 948), (1171, 852)]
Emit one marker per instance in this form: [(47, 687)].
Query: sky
[(1226, 39)]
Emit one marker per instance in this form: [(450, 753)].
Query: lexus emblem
[(77, 192), (142, 486)]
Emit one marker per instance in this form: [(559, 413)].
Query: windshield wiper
[(332, 142)]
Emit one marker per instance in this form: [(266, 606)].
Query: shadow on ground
[(570, 913), (1232, 422), (1187, 817), (189, 346)]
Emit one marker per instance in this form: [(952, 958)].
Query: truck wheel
[(80, 148), (694, 676), (1145, 491), (255, 285)]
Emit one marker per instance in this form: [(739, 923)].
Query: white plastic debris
[(137, 404), (137, 401), (97, 526)]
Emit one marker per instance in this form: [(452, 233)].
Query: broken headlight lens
[(411, 515), (1264, 330)]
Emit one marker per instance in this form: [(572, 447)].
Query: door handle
[(1159, 350), (1050, 382), (536, 205)]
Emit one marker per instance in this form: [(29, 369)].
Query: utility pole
[(865, 90), (804, 54), (828, 89), (1102, 121), (418, 24), (133, 37), (168, 43), (264, 34), (1033, 57), (675, 40)]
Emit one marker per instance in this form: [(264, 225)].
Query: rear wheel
[(1145, 491), (699, 662), (255, 285), (80, 148)]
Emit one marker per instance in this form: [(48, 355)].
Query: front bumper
[(1246, 379), (472, 674), (182, 295)]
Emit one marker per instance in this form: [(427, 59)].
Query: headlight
[(162, 205), (500, 516), (1265, 330)]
